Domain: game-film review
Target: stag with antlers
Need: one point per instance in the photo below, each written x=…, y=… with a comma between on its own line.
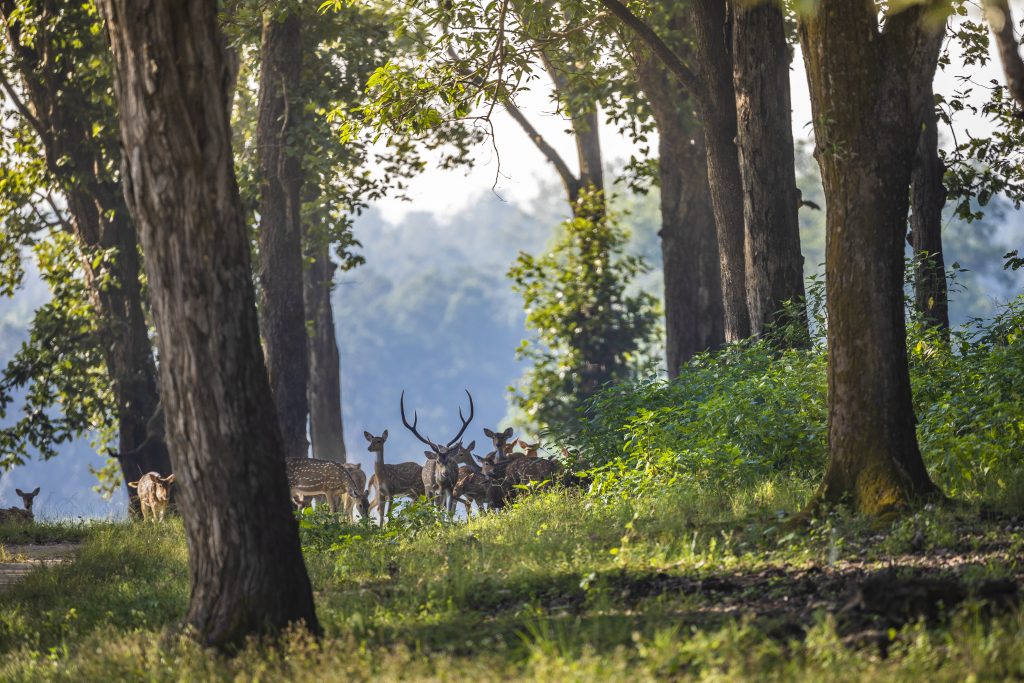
x=441, y=471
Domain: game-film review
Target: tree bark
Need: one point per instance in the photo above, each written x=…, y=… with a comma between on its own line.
x=712, y=28
x=283, y=318
x=863, y=84
x=100, y=222
x=324, y=391
x=694, y=317
x=774, y=264
x=927, y=199
x=245, y=562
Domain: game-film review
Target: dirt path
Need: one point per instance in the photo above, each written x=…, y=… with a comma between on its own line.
x=26, y=558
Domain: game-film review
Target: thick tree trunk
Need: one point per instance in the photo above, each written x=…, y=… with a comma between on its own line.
x=282, y=312
x=927, y=199
x=774, y=264
x=325, y=423
x=694, y=319
x=245, y=563
x=712, y=51
x=862, y=83
x=100, y=224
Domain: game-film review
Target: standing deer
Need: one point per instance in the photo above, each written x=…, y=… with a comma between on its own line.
x=24, y=514
x=403, y=479
x=473, y=485
x=309, y=477
x=154, y=492
x=441, y=471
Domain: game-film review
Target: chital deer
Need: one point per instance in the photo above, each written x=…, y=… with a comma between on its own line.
x=441, y=471
x=154, y=491
x=500, y=441
x=309, y=477
x=402, y=479
x=530, y=450
x=22, y=514
x=473, y=485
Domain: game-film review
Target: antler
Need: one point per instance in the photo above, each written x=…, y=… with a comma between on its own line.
x=465, y=422
x=412, y=427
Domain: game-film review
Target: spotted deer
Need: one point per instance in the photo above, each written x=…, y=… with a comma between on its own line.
x=530, y=450
x=390, y=481
x=313, y=477
x=22, y=514
x=473, y=485
x=441, y=471
x=500, y=441
x=154, y=491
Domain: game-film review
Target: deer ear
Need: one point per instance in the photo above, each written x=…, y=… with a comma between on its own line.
x=430, y=454
x=20, y=492
x=384, y=436
x=169, y=479
x=507, y=433
x=488, y=433
x=368, y=435
x=133, y=484
x=36, y=492
x=471, y=446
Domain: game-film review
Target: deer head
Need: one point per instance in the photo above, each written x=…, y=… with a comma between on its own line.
x=445, y=452
x=163, y=491
x=500, y=441
x=376, y=442
x=362, y=502
x=27, y=498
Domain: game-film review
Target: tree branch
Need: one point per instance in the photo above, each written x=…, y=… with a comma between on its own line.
x=671, y=60
x=571, y=182
x=1000, y=19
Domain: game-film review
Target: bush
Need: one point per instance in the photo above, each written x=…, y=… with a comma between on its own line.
x=751, y=410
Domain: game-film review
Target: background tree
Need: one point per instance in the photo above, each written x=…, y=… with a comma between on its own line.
x=577, y=296
x=865, y=83
x=65, y=102
x=171, y=78
x=282, y=309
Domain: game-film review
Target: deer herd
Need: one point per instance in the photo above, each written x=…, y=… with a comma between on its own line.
x=452, y=474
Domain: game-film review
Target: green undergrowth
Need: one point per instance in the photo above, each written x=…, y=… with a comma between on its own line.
x=698, y=584
x=752, y=411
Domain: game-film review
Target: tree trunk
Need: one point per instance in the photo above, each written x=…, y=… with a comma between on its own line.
x=99, y=222
x=325, y=423
x=712, y=51
x=774, y=264
x=928, y=198
x=862, y=84
x=694, y=319
x=282, y=312
x=245, y=563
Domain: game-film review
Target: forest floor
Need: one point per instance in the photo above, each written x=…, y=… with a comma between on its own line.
x=684, y=585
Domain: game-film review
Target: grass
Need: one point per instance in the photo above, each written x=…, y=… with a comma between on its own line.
x=700, y=584
x=697, y=585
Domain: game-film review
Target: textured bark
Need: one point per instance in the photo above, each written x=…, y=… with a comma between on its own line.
x=282, y=312
x=245, y=562
x=927, y=199
x=774, y=264
x=324, y=390
x=694, y=319
x=865, y=93
x=99, y=222
x=712, y=29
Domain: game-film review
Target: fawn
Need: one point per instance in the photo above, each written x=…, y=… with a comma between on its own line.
x=154, y=491
x=403, y=479
x=24, y=514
